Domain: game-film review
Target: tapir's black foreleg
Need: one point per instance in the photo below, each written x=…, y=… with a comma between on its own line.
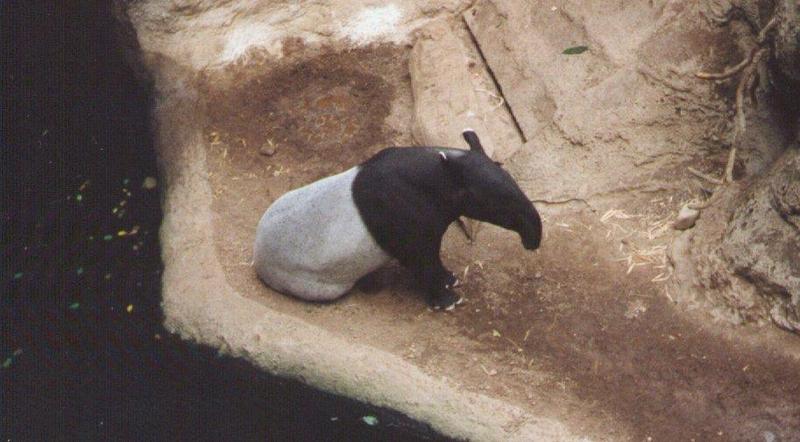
x=436, y=280
x=409, y=225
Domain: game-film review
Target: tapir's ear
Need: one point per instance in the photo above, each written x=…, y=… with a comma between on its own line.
x=443, y=156
x=472, y=139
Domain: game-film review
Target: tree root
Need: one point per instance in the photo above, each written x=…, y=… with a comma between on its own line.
x=747, y=85
x=762, y=35
x=704, y=176
x=727, y=73
x=700, y=205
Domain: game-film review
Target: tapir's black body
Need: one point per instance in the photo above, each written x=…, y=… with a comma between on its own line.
x=407, y=198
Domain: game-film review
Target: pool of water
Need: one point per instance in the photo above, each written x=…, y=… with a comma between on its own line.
x=84, y=355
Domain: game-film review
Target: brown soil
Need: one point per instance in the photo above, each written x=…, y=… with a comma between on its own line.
x=563, y=331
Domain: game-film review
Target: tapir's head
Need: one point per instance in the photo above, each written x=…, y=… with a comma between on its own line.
x=488, y=193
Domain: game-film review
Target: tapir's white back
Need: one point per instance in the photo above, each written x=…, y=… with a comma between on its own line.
x=312, y=243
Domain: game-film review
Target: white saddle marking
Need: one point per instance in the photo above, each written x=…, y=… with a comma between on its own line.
x=312, y=242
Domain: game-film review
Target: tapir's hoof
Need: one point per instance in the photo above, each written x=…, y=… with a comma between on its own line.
x=447, y=300
x=451, y=281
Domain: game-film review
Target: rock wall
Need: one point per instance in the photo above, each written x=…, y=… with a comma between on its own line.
x=762, y=241
x=743, y=260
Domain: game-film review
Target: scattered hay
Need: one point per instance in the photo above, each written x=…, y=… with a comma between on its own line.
x=642, y=240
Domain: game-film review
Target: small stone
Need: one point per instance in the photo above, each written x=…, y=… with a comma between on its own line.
x=267, y=149
x=686, y=218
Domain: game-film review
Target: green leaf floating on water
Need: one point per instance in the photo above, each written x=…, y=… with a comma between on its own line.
x=370, y=420
x=576, y=50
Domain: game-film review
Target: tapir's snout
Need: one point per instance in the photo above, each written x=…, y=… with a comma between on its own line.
x=531, y=243
x=531, y=233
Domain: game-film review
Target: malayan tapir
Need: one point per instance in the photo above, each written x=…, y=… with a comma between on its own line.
x=315, y=242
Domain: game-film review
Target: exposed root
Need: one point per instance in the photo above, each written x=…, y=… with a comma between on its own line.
x=727, y=73
x=729, y=165
x=747, y=85
x=762, y=35
x=704, y=176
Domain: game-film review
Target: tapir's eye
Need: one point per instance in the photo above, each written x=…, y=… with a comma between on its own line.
x=498, y=163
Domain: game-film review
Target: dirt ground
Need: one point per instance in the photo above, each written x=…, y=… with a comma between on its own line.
x=573, y=331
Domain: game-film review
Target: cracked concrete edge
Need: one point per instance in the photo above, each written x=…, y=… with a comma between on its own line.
x=201, y=306
x=456, y=93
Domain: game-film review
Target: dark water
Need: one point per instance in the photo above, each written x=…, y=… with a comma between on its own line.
x=83, y=352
